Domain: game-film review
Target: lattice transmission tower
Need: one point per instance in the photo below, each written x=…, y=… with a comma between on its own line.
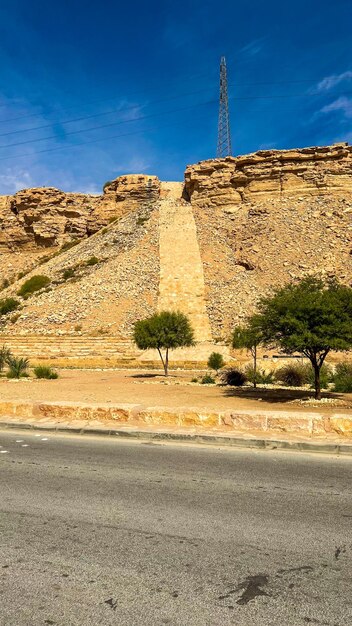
x=224, y=147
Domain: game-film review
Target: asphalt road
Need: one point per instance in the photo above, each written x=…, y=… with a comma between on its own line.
x=97, y=531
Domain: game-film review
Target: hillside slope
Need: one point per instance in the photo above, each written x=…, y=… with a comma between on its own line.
x=209, y=247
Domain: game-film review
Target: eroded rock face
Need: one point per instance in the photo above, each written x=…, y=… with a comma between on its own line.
x=125, y=194
x=270, y=173
x=268, y=218
x=46, y=216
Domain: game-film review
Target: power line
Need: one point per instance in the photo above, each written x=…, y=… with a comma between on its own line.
x=236, y=98
x=282, y=82
x=83, y=143
x=87, y=117
x=85, y=130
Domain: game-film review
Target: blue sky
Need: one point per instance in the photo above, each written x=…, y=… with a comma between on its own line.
x=144, y=78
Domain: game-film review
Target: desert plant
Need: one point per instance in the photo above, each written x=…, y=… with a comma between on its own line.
x=194, y=380
x=33, y=284
x=68, y=245
x=260, y=376
x=17, y=367
x=5, y=355
x=342, y=378
x=93, y=260
x=300, y=374
x=68, y=273
x=207, y=380
x=44, y=371
x=8, y=305
x=233, y=377
x=5, y=283
x=216, y=361
x=292, y=375
x=108, y=182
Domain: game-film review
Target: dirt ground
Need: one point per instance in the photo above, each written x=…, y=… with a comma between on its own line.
x=136, y=387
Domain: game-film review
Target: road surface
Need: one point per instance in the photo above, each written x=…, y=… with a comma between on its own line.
x=99, y=531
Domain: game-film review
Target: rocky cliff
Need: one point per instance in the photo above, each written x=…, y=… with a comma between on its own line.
x=210, y=247
x=47, y=217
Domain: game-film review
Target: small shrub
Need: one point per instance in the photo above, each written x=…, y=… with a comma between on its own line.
x=33, y=284
x=17, y=367
x=8, y=305
x=44, y=371
x=300, y=374
x=194, y=380
x=68, y=245
x=44, y=259
x=207, y=380
x=262, y=377
x=68, y=273
x=108, y=182
x=78, y=328
x=5, y=283
x=292, y=375
x=104, y=231
x=141, y=220
x=113, y=219
x=233, y=377
x=216, y=361
x=342, y=378
x=92, y=261
x=5, y=355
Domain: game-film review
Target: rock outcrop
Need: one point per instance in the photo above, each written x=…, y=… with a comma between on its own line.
x=46, y=217
x=270, y=173
x=210, y=247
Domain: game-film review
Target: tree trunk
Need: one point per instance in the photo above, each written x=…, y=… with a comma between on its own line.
x=317, y=380
x=165, y=363
x=255, y=367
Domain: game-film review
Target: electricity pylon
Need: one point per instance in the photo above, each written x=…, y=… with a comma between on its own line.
x=224, y=147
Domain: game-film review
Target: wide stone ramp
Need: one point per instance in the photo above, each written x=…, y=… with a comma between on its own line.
x=181, y=270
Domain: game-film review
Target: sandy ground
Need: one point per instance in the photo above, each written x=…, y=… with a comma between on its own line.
x=150, y=389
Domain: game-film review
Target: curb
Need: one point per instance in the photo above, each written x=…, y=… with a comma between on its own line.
x=215, y=440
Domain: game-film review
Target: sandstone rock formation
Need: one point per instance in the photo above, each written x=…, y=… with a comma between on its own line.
x=47, y=217
x=211, y=247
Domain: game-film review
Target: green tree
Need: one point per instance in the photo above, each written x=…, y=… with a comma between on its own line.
x=216, y=361
x=249, y=337
x=163, y=331
x=310, y=317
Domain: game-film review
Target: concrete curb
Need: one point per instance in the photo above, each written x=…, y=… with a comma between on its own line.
x=216, y=440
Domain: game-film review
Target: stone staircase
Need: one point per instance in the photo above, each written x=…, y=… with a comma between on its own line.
x=103, y=351
x=181, y=270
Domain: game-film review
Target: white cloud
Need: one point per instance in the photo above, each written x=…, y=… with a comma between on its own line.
x=92, y=190
x=335, y=79
x=342, y=104
x=14, y=179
